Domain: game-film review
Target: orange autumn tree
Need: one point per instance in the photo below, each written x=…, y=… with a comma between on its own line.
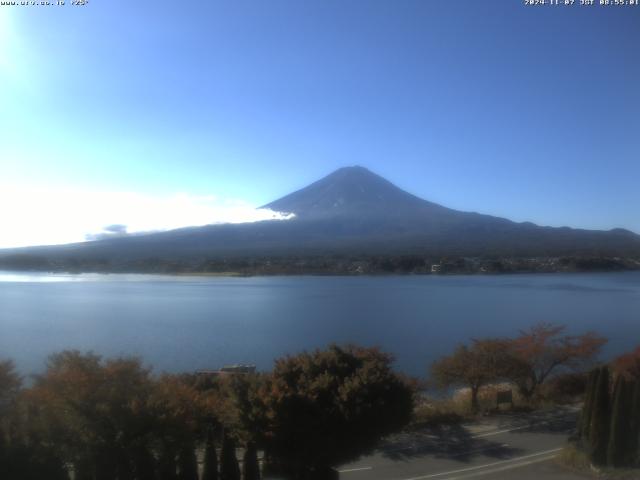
x=543, y=350
x=10, y=386
x=474, y=366
x=10, y=383
x=93, y=411
x=628, y=364
x=181, y=420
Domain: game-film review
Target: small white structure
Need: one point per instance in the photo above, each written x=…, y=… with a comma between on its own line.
x=237, y=369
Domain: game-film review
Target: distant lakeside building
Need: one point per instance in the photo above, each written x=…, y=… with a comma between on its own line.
x=228, y=370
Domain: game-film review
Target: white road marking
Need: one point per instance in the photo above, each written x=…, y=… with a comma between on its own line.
x=359, y=469
x=503, y=462
x=498, y=432
x=505, y=468
x=476, y=450
x=521, y=427
x=480, y=435
x=414, y=447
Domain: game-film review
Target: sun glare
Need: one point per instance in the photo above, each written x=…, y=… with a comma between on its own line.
x=59, y=216
x=5, y=39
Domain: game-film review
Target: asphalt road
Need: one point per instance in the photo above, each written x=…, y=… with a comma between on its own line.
x=521, y=447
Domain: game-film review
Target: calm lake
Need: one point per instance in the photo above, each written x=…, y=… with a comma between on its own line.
x=189, y=323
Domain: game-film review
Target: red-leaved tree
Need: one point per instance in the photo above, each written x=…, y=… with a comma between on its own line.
x=628, y=364
x=543, y=350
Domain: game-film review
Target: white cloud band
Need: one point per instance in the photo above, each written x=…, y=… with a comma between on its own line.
x=42, y=216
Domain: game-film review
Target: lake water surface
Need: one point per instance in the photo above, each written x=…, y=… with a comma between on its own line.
x=190, y=323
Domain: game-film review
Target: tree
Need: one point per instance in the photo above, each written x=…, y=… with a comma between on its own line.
x=611, y=437
x=229, y=468
x=111, y=419
x=167, y=464
x=180, y=419
x=474, y=366
x=144, y=463
x=600, y=420
x=210, y=471
x=94, y=412
x=24, y=462
x=619, y=429
x=242, y=410
x=628, y=365
x=587, y=408
x=10, y=383
x=634, y=433
x=250, y=466
x=542, y=350
x=187, y=463
x=330, y=406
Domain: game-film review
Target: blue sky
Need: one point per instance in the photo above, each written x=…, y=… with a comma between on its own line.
x=531, y=113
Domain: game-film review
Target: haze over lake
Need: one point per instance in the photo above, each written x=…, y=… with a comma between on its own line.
x=189, y=323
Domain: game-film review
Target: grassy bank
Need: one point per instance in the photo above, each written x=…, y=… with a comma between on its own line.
x=576, y=460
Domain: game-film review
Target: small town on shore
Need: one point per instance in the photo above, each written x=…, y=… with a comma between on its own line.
x=328, y=265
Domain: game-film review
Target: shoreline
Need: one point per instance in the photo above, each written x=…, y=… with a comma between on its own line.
x=326, y=265
x=232, y=274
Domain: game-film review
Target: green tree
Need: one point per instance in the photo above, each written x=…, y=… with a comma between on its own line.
x=10, y=384
x=250, y=466
x=144, y=463
x=167, y=466
x=587, y=408
x=187, y=463
x=620, y=416
x=210, y=471
x=83, y=469
x=330, y=406
x=634, y=424
x=31, y=462
x=474, y=366
x=600, y=420
x=229, y=468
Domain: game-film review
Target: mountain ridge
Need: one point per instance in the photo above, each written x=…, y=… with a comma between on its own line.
x=349, y=190
x=352, y=212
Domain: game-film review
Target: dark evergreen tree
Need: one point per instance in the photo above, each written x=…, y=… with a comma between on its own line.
x=600, y=420
x=50, y=466
x=210, y=471
x=124, y=466
x=167, y=465
x=2, y=446
x=634, y=424
x=330, y=406
x=21, y=462
x=270, y=465
x=82, y=469
x=250, y=466
x=618, y=436
x=187, y=463
x=229, y=468
x=585, y=418
x=105, y=464
x=144, y=464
